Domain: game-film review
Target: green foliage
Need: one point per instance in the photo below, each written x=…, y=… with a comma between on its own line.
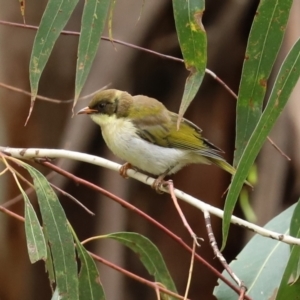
x=261, y=263
x=55, y=17
x=284, y=84
x=92, y=25
x=264, y=42
x=290, y=284
x=58, y=236
x=193, y=43
x=149, y=255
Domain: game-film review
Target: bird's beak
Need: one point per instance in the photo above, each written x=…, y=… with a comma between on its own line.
x=87, y=111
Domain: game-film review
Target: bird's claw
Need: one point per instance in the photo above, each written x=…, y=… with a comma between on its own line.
x=158, y=183
x=123, y=170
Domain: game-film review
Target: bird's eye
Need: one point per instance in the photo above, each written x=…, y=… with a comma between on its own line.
x=101, y=106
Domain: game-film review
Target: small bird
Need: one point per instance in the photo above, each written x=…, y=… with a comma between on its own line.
x=143, y=132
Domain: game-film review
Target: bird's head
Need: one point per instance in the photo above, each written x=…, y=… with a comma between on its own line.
x=108, y=104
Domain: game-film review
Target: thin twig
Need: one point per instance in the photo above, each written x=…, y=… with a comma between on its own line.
x=12, y=214
x=190, y=272
x=4, y=171
x=217, y=252
x=28, y=191
x=47, y=99
x=72, y=198
x=153, y=285
x=170, y=186
x=15, y=89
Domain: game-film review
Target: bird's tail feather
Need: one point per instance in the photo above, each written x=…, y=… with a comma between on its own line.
x=227, y=167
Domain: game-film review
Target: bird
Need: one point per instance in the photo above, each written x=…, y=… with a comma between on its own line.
x=143, y=132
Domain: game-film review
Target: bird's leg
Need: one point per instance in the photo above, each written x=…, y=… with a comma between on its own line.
x=159, y=181
x=124, y=168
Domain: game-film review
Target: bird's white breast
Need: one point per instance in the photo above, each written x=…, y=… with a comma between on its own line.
x=120, y=136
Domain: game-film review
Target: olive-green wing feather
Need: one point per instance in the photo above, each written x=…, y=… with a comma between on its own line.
x=160, y=128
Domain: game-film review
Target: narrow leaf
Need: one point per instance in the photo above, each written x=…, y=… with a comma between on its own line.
x=290, y=281
x=284, y=84
x=264, y=42
x=49, y=265
x=261, y=263
x=58, y=236
x=90, y=287
x=92, y=25
x=55, y=17
x=35, y=240
x=290, y=284
x=193, y=43
x=149, y=256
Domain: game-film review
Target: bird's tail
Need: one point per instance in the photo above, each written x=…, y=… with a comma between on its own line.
x=227, y=167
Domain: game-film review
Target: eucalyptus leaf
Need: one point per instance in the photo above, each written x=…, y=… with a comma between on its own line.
x=284, y=84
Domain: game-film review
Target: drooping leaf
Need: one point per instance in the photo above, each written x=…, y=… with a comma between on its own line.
x=92, y=25
x=35, y=240
x=264, y=42
x=58, y=236
x=90, y=287
x=55, y=17
x=149, y=256
x=193, y=43
x=284, y=84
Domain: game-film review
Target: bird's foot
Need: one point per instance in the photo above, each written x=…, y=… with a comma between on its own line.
x=124, y=168
x=158, y=183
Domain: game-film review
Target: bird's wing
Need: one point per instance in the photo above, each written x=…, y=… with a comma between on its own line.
x=189, y=138
x=165, y=134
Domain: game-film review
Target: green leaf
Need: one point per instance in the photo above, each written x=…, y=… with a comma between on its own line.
x=290, y=284
x=58, y=236
x=55, y=17
x=193, y=43
x=295, y=222
x=264, y=42
x=285, y=82
x=149, y=256
x=35, y=240
x=261, y=263
x=49, y=265
x=92, y=25
x=90, y=287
